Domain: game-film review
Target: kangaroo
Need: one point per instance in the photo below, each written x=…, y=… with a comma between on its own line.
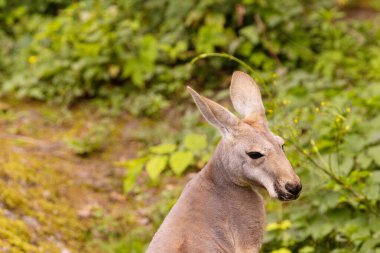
x=220, y=209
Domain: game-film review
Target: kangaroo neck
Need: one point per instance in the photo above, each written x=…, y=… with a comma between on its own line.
x=216, y=172
x=242, y=206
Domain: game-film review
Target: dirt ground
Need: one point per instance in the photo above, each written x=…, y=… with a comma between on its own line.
x=59, y=200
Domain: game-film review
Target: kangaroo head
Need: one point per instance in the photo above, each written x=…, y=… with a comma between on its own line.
x=250, y=153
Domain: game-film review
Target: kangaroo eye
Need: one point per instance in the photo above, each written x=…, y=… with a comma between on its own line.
x=255, y=155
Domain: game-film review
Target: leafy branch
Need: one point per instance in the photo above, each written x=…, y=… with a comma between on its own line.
x=330, y=173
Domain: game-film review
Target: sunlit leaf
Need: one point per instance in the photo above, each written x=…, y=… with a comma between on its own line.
x=180, y=160
x=195, y=142
x=163, y=148
x=346, y=165
x=272, y=226
x=282, y=250
x=372, y=191
x=155, y=166
x=319, y=228
x=375, y=176
x=251, y=33
x=363, y=160
x=374, y=153
x=306, y=249
x=369, y=245
x=134, y=168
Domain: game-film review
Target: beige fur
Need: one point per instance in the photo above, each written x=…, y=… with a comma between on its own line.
x=220, y=209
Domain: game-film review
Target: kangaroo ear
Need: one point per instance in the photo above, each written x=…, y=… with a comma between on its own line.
x=214, y=113
x=246, y=96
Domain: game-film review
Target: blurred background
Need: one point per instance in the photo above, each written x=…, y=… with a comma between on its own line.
x=98, y=135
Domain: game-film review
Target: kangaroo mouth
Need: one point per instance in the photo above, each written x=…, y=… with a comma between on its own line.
x=284, y=195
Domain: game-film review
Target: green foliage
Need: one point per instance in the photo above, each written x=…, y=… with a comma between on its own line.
x=155, y=166
x=37, y=6
x=332, y=133
x=163, y=149
x=94, y=48
x=177, y=157
x=91, y=141
x=98, y=48
x=180, y=160
x=195, y=142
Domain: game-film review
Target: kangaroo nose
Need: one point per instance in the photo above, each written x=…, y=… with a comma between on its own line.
x=293, y=189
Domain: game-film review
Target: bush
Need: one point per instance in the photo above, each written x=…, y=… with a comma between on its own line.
x=90, y=47
x=93, y=47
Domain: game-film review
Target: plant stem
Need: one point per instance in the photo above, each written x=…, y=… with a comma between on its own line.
x=233, y=58
x=363, y=199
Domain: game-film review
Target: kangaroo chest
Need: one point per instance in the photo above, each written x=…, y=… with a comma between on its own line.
x=234, y=219
x=212, y=220
x=247, y=223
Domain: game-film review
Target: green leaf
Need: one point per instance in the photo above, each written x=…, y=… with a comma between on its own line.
x=163, y=148
x=375, y=176
x=361, y=234
x=374, y=154
x=251, y=33
x=346, y=166
x=134, y=168
x=306, y=249
x=372, y=191
x=141, y=62
x=211, y=34
x=180, y=160
x=369, y=245
x=331, y=200
x=155, y=166
x=363, y=160
x=354, y=143
x=374, y=224
x=320, y=228
x=282, y=250
x=195, y=142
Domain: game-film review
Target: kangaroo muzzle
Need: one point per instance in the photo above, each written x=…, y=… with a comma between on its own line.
x=291, y=191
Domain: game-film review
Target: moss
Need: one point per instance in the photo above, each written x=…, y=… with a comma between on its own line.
x=14, y=236
x=30, y=188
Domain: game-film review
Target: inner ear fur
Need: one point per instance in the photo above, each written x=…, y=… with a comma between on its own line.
x=246, y=96
x=214, y=113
